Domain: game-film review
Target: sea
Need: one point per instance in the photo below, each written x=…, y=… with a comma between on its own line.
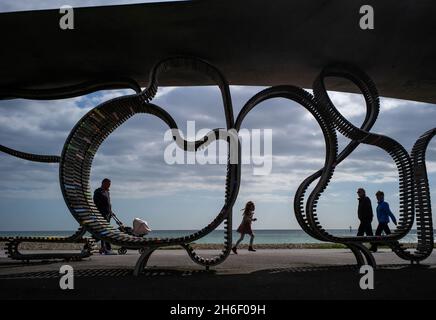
x=217, y=236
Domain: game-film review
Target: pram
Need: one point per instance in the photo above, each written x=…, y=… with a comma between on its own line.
x=140, y=229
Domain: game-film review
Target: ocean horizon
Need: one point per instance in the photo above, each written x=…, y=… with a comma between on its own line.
x=262, y=236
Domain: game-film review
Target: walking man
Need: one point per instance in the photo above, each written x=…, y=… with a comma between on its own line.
x=364, y=213
x=103, y=202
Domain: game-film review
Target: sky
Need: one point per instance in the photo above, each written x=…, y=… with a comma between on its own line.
x=188, y=196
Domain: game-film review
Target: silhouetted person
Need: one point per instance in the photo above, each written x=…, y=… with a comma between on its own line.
x=364, y=213
x=102, y=201
x=245, y=226
x=383, y=214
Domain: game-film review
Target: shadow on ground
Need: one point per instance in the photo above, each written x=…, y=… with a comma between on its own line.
x=330, y=282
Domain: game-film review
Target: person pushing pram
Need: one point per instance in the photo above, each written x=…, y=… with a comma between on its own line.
x=103, y=203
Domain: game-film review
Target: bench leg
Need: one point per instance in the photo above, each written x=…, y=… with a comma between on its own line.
x=142, y=261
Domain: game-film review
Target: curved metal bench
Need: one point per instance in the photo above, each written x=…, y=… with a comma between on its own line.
x=90, y=132
x=424, y=219
x=410, y=195
x=329, y=119
x=13, y=243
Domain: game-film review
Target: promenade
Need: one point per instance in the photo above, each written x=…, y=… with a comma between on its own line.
x=265, y=274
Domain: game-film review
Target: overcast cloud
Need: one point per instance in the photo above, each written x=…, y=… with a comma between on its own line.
x=191, y=195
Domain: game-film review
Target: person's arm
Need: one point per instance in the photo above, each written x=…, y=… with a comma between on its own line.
x=391, y=214
x=249, y=218
x=371, y=213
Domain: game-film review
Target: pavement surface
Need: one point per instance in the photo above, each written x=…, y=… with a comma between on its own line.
x=265, y=274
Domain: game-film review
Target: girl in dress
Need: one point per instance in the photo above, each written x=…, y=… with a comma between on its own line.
x=245, y=226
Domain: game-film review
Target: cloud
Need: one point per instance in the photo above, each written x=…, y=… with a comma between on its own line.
x=133, y=155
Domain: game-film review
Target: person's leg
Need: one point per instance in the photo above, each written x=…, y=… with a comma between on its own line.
x=368, y=229
x=361, y=229
x=386, y=229
x=107, y=244
x=239, y=240
x=234, y=248
x=103, y=247
x=365, y=228
x=378, y=232
x=250, y=248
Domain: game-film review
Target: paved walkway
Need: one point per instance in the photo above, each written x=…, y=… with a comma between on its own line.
x=243, y=263
x=265, y=274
